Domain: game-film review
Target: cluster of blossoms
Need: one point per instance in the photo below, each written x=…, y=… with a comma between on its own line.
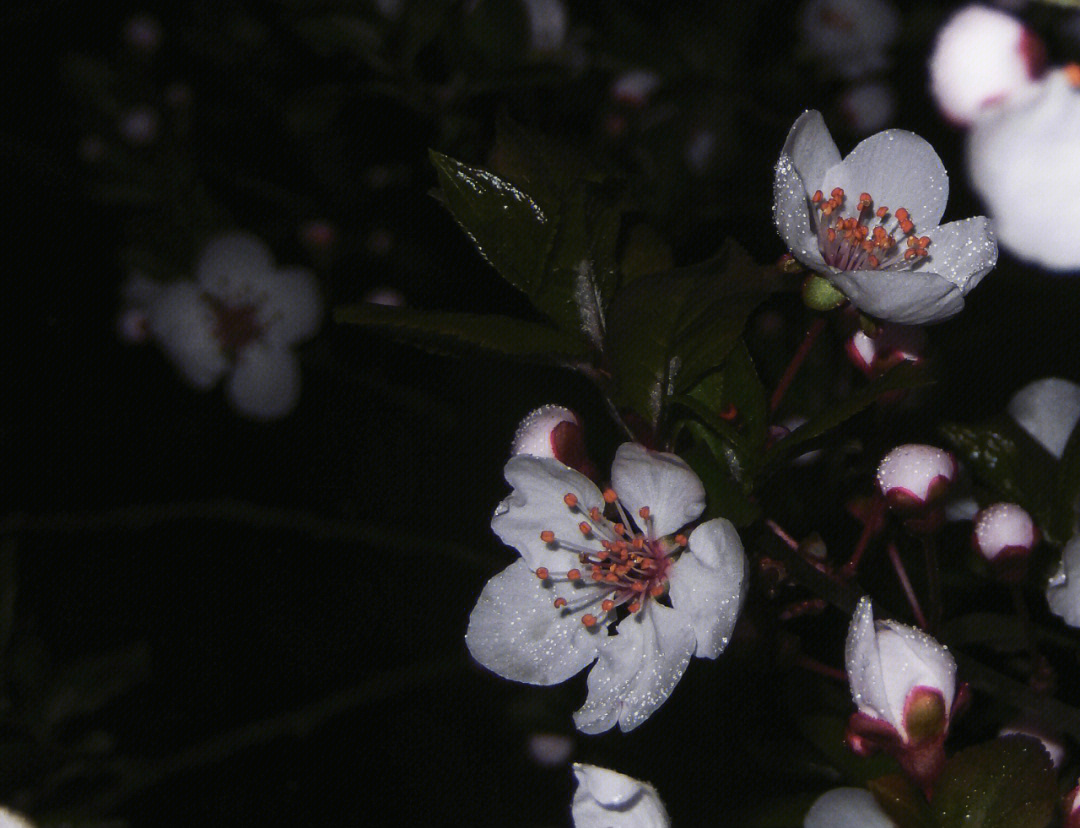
x=239, y=318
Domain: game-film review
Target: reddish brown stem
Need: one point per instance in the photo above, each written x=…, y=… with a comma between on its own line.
x=905, y=582
x=815, y=666
x=871, y=526
x=816, y=327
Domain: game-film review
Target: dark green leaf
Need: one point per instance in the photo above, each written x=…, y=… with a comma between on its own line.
x=456, y=333
x=666, y=332
x=91, y=683
x=903, y=377
x=1006, y=783
x=1068, y=488
x=1004, y=457
x=561, y=255
x=646, y=253
x=725, y=496
x=902, y=801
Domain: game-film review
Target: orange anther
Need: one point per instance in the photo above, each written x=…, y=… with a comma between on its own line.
x=644, y=512
x=638, y=542
x=610, y=496
x=589, y=620
x=570, y=499
x=837, y=193
x=585, y=528
x=865, y=197
x=597, y=574
x=637, y=586
x=595, y=515
x=817, y=196
x=924, y=241
x=907, y=226
x=573, y=575
x=608, y=605
x=902, y=214
x=910, y=254
x=634, y=606
x=1072, y=74
x=619, y=529
x=611, y=578
x=560, y=603
x=831, y=235
x=873, y=262
x=542, y=573
x=881, y=212
x=657, y=591
x=602, y=556
x=680, y=539
x=547, y=537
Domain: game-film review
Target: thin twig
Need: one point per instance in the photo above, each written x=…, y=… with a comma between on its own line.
x=905, y=582
x=797, y=360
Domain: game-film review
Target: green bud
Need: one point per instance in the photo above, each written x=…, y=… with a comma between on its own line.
x=820, y=295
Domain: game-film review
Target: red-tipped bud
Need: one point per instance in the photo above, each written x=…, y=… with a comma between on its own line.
x=1004, y=534
x=913, y=477
x=554, y=431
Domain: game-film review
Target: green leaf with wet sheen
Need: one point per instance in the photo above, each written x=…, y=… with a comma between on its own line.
x=902, y=801
x=1006, y=783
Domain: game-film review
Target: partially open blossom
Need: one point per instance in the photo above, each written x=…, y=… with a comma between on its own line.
x=239, y=318
x=1004, y=534
x=591, y=559
x=849, y=38
x=847, y=808
x=891, y=345
x=913, y=476
x=1063, y=588
x=868, y=107
x=606, y=799
x=1022, y=150
x=904, y=685
x=869, y=223
x=554, y=431
x=1048, y=409
x=1052, y=742
x=982, y=58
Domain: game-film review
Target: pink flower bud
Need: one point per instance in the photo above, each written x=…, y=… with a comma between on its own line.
x=874, y=355
x=1004, y=535
x=1072, y=808
x=914, y=476
x=982, y=58
x=554, y=431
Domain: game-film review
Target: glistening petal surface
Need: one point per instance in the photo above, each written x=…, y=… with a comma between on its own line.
x=863, y=663
x=606, y=799
x=708, y=584
x=516, y=632
x=1063, y=589
x=910, y=297
x=962, y=251
x=536, y=505
x=661, y=481
x=637, y=669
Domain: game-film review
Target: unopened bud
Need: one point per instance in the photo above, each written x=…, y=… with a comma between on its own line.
x=819, y=294
x=1004, y=535
x=1072, y=808
x=982, y=58
x=914, y=476
x=925, y=715
x=554, y=431
x=891, y=345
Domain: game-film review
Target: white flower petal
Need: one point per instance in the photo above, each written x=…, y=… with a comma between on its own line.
x=660, y=481
x=962, y=251
x=910, y=658
x=230, y=267
x=637, y=669
x=266, y=382
x=606, y=799
x=910, y=297
x=708, y=584
x=847, y=808
x=516, y=631
x=1047, y=409
x=292, y=307
x=863, y=663
x=898, y=169
x=1063, y=589
x=811, y=149
x=183, y=324
x=536, y=505
x=808, y=153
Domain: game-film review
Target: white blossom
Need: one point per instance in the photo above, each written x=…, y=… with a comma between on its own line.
x=869, y=223
x=547, y=24
x=606, y=799
x=591, y=560
x=849, y=38
x=1063, y=588
x=894, y=669
x=1047, y=409
x=1019, y=152
x=847, y=808
x=239, y=319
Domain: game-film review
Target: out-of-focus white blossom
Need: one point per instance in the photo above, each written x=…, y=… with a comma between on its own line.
x=1047, y=409
x=915, y=475
x=868, y=107
x=550, y=750
x=982, y=58
x=1022, y=151
x=700, y=150
x=869, y=223
x=10, y=819
x=143, y=33
x=547, y=24
x=634, y=88
x=548, y=615
x=847, y=808
x=239, y=318
x=139, y=126
x=1063, y=588
x=850, y=38
x=606, y=799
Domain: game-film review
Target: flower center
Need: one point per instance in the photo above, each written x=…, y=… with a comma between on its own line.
x=866, y=240
x=620, y=564
x=234, y=325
